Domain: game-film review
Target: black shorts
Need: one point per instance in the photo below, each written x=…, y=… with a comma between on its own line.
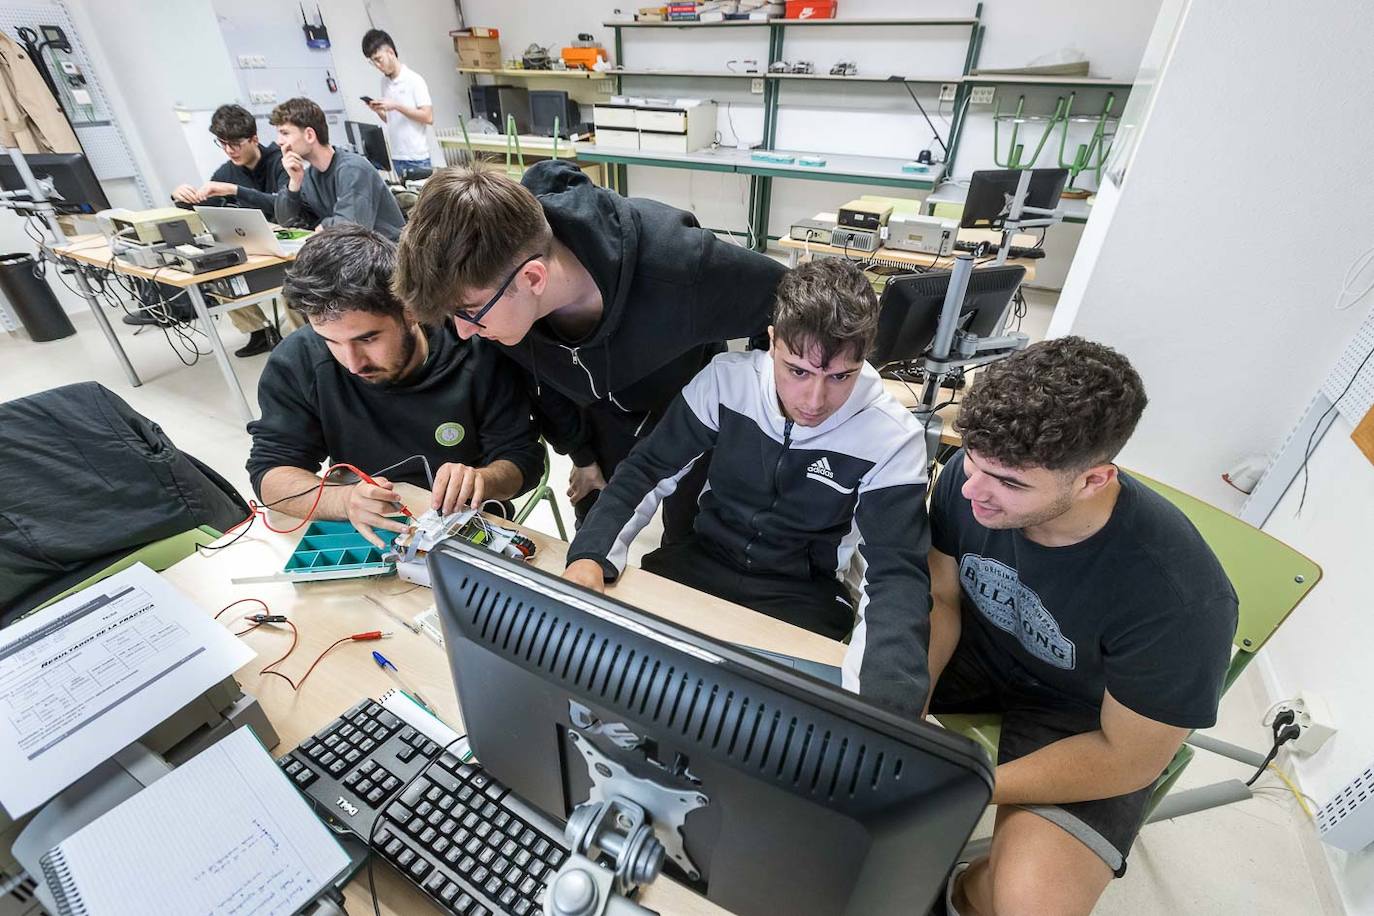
x=1034, y=716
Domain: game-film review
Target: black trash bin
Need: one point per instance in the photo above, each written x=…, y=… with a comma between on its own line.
x=32, y=299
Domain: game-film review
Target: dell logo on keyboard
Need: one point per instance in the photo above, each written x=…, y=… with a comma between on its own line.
x=349, y=808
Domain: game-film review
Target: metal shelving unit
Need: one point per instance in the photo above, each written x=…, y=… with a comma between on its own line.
x=761, y=174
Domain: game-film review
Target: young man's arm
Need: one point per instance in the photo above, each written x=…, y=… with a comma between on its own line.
x=357, y=187
x=512, y=456
x=946, y=624
x=651, y=472
x=1128, y=752
x=288, y=447
x=736, y=292
x=886, y=660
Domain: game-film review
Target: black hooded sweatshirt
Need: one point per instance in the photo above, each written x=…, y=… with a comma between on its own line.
x=672, y=294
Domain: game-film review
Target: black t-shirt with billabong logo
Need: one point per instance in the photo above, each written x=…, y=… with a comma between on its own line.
x=1141, y=609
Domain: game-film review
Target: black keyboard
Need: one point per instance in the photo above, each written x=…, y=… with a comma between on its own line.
x=1015, y=251
x=455, y=832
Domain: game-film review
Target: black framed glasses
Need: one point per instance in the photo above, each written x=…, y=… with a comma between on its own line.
x=230, y=146
x=475, y=318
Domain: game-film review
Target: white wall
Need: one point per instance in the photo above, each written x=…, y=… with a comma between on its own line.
x=1324, y=647
x=1217, y=265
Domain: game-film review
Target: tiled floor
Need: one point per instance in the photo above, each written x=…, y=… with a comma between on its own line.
x=1249, y=858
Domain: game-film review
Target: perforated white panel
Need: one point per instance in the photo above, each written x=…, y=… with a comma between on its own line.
x=106, y=152
x=1358, y=399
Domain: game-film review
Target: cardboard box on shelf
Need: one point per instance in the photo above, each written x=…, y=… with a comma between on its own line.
x=477, y=51
x=811, y=9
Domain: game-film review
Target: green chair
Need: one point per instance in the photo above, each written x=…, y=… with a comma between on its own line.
x=157, y=556
x=542, y=491
x=1270, y=579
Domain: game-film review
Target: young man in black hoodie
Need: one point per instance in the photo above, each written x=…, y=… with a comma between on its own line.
x=250, y=177
x=611, y=304
x=366, y=385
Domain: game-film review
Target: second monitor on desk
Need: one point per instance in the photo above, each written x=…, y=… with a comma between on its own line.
x=770, y=792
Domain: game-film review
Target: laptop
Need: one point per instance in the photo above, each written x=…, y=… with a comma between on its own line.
x=246, y=226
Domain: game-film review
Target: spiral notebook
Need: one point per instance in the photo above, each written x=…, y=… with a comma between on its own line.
x=224, y=833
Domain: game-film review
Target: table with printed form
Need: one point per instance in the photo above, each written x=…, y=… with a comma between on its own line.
x=341, y=687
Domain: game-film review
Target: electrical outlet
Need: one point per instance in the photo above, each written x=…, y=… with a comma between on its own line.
x=756, y=86
x=245, y=61
x=1312, y=716
x=271, y=96
x=259, y=61
x=947, y=91
x=983, y=95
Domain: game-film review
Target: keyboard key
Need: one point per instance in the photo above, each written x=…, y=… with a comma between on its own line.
x=465, y=793
x=407, y=733
x=398, y=812
x=482, y=829
x=375, y=797
x=541, y=846
x=479, y=780
x=424, y=808
x=449, y=891
x=495, y=790
x=509, y=848
x=528, y=886
x=522, y=858
x=373, y=708
x=502, y=820
x=479, y=911
x=394, y=847
x=522, y=908
x=435, y=883
x=466, y=770
x=367, y=744
x=414, y=795
x=446, y=803
x=406, y=753
x=428, y=835
x=392, y=783
x=405, y=857
x=507, y=896
x=453, y=854
x=332, y=741
x=358, y=783
x=449, y=762
x=466, y=865
x=464, y=905
x=536, y=869
x=471, y=820
x=480, y=875
x=388, y=721
x=489, y=810
x=493, y=887
x=435, y=818
x=419, y=868
x=292, y=766
x=337, y=767
x=368, y=766
x=474, y=845
x=416, y=826
x=440, y=844
x=353, y=755
x=555, y=856
x=450, y=828
x=304, y=777
x=429, y=748
x=500, y=866
x=382, y=836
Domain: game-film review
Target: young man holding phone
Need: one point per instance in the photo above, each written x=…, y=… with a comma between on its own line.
x=405, y=106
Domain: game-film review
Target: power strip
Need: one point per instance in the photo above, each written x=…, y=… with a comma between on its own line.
x=1347, y=820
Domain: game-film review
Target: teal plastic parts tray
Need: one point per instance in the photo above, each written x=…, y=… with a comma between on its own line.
x=335, y=550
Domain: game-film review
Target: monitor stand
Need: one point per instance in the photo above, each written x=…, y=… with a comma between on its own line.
x=618, y=821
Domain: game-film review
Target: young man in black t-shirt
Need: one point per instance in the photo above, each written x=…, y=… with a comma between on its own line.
x=367, y=385
x=1079, y=604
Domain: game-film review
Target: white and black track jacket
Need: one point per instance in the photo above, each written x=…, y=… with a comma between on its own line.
x=791, y=500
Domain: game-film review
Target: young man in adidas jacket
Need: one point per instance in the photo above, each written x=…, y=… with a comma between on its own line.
x=812, y=465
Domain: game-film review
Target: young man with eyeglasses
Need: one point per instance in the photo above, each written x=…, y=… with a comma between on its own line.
x=405, y=106
x=251, y=177
x=365, y=384
x=611, y=304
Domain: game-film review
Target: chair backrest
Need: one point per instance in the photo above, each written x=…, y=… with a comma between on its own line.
x=1270, y=578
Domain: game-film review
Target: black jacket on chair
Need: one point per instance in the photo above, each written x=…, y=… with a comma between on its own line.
x=88, y=480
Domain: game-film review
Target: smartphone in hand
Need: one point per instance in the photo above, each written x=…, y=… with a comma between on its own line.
x=367, y=99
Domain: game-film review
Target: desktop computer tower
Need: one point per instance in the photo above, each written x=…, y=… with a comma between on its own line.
x=546, y=105
x=494, y=103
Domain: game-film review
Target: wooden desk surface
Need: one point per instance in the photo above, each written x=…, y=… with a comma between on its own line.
x=95, y=251
x=908, y=394
x=325, y=611
x=915, y=259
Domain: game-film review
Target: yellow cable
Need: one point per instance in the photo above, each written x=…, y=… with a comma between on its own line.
x=1302, y=803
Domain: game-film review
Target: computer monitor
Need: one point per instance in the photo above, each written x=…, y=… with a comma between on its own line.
x=546, y=105
x=78, y=191
x=990, y=193
x=497, y=102
x=370, y=141
x=909, y=309
x=793, y=795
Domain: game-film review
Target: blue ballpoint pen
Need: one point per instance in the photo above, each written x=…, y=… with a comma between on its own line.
x=386, y=665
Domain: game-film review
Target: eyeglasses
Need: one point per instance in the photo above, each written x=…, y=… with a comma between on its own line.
x=230, y=146
x=475, y=319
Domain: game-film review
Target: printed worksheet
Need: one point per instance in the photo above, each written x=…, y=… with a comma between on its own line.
x=87, y=676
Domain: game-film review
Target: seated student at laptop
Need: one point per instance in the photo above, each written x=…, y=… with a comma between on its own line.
x=251, y=177
x=1079, y=604
x=367, y=386
x=337, y=185
x=810, y=462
